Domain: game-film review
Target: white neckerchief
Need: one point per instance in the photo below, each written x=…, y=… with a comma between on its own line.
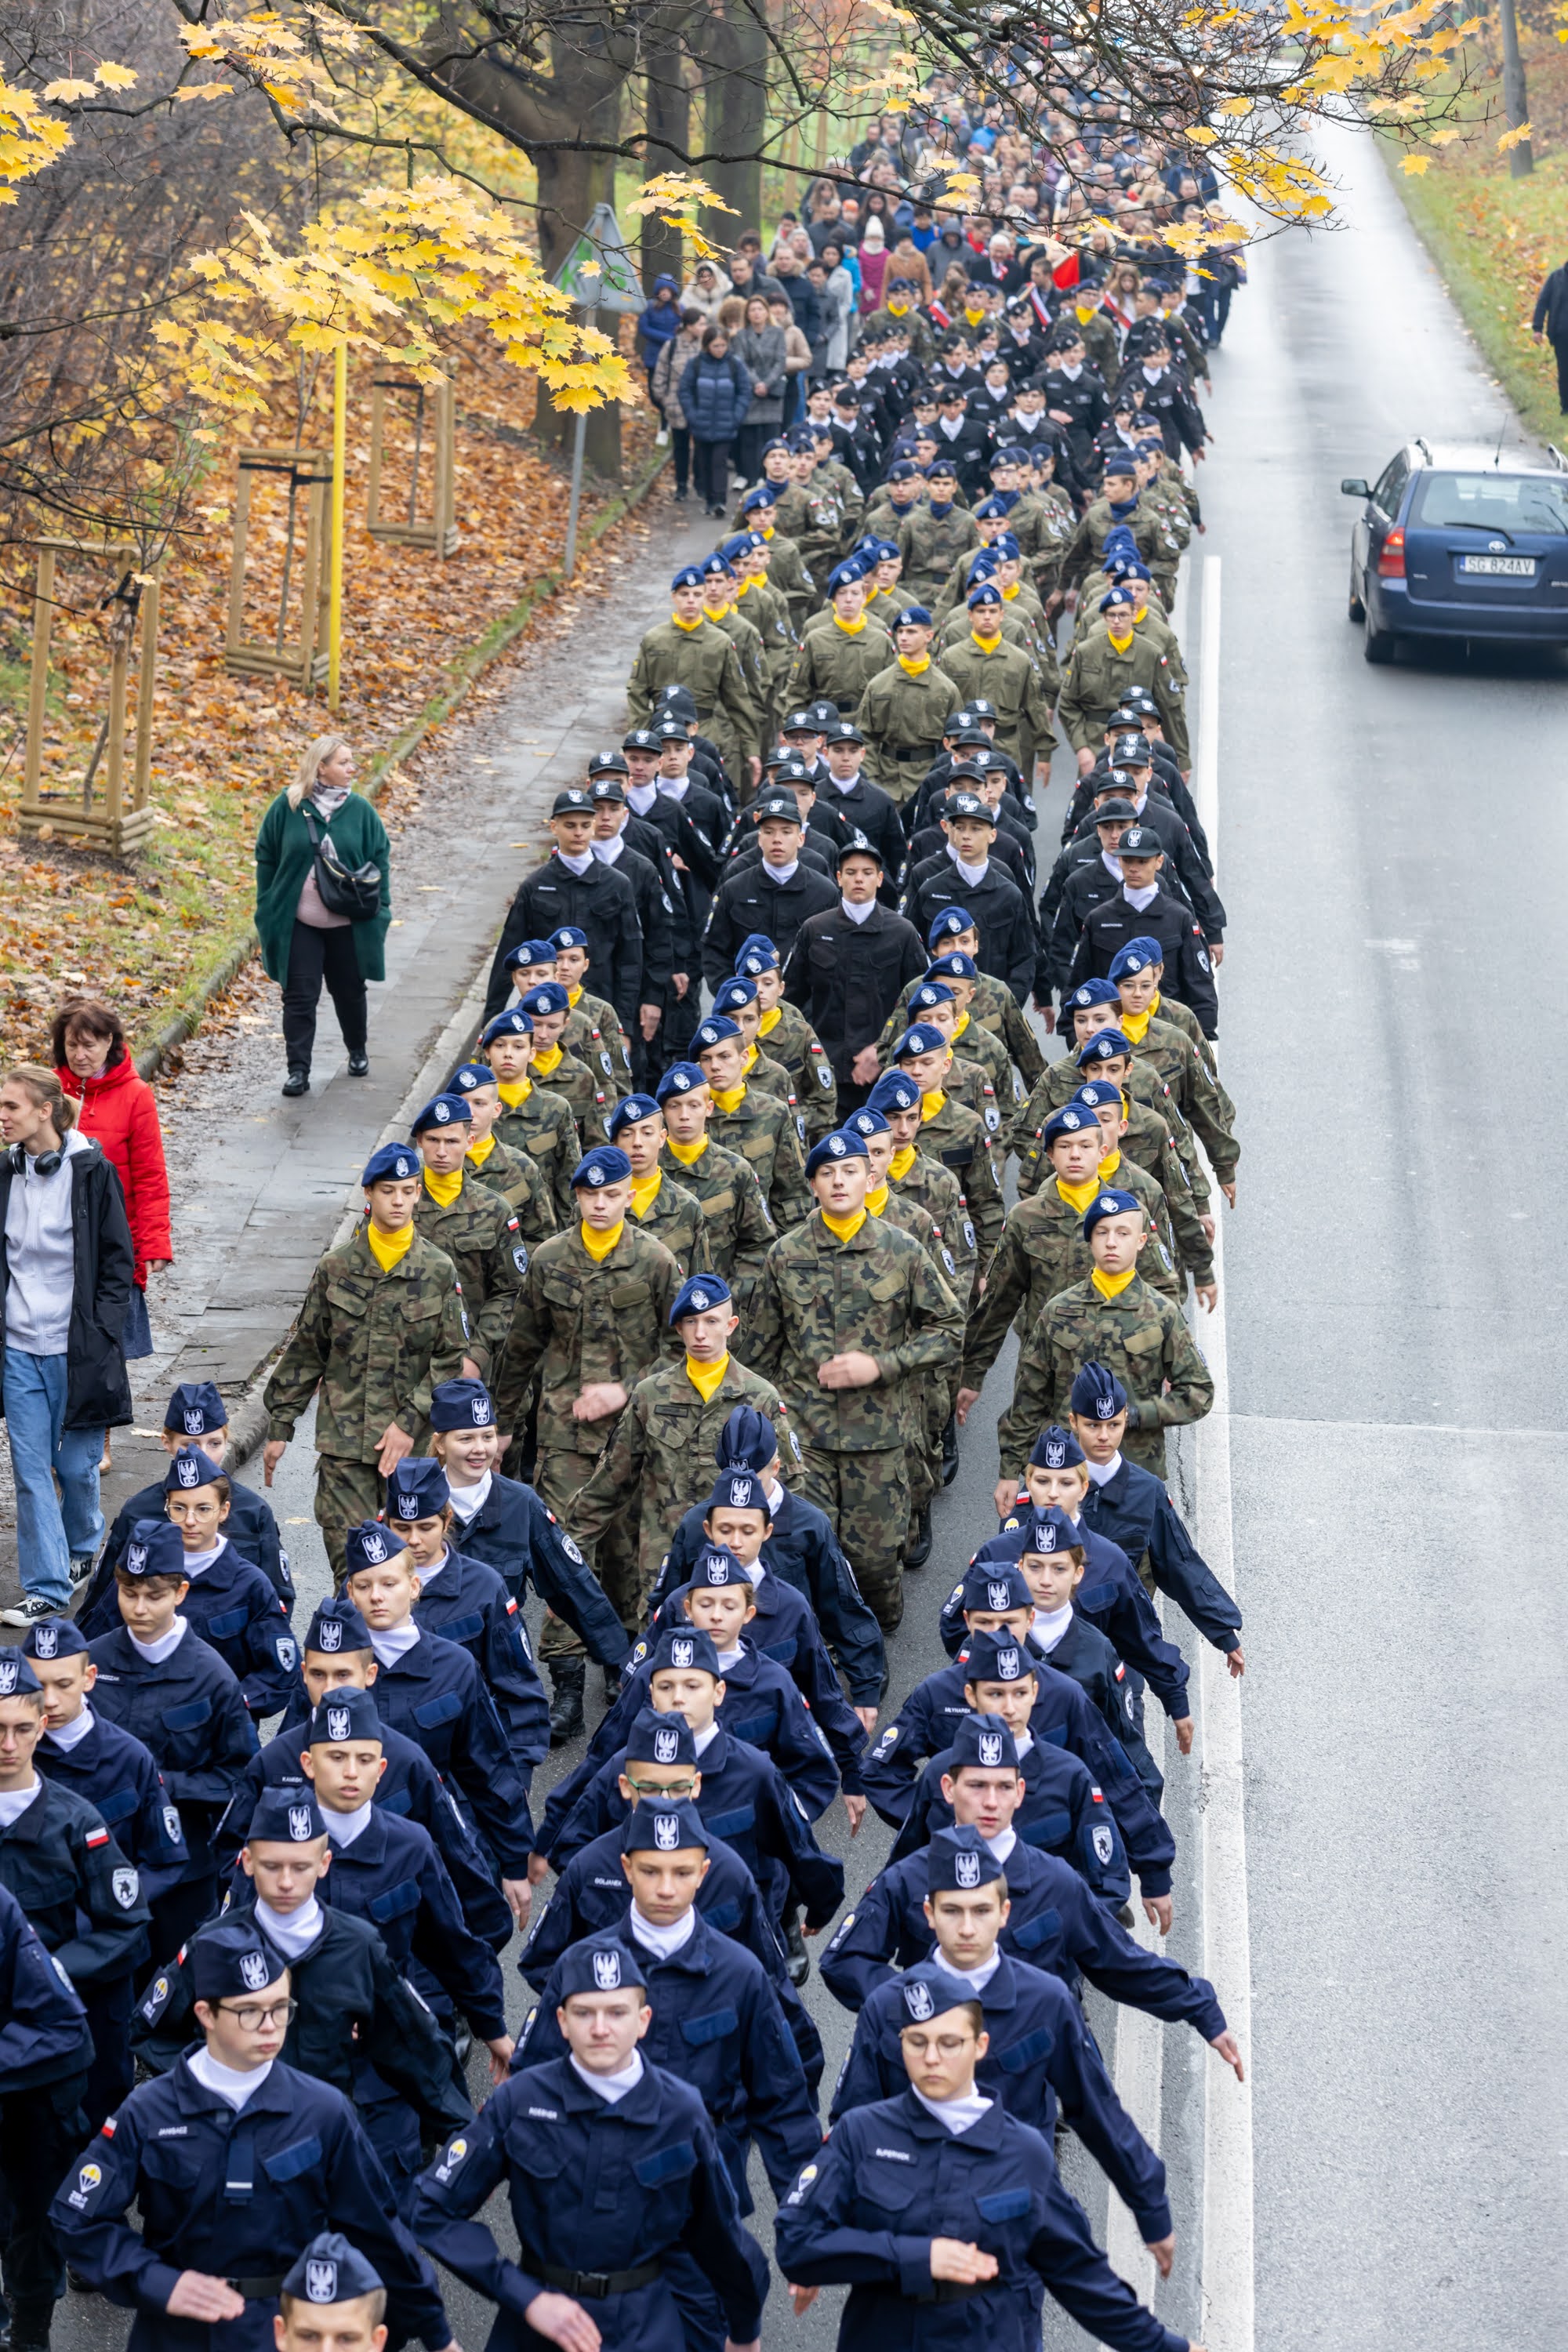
x=1141, y=800
x=611, y=2087
x=952, y=431
x=728, y=1658
x=665, y=1941
x=775, y=1494
x=674, y=788
x=71, y=1734
x=641, y=797
x=782, y=873
x=1023, y=1741
x=578, y=866
x=1100, y=1474
x=343, y=1828
x=1028, y=419
x=394, y=1643
x=1151, y=376
x=469, y=1501
x=14, y=1802
x=607, y=852
x=1071, y=373
x=1111, y=863
x=844, y=783
x=1002, y=1844
x=1140, y=898
x=957, y=2114
x=857, y=914
x=703, y=1740
x=972, y=875
x=1050, y=1626
x=293, y=1932
x=228, y=2083
x=756, y=1571
x=154, y=1653
x=980, y=1975
x=427, y=1575
x=196, y=1563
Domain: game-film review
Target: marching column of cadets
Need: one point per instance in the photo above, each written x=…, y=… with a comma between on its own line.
x=726, y=1288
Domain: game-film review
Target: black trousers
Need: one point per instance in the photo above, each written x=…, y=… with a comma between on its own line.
x=711, y=471
x=315, y=956
x=680, y=450
x=1559, y=353
x=42, y=2133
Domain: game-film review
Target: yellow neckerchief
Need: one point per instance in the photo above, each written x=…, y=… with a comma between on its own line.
x=1120, y=644
x=1078, y=1196
x=688, y=1154
x=443, y=1189
x=750, y=1064
x=1015, y=590
x=750, y=580
x=514, y=1092
x=876, y=1199
x=902, y=1160
x=767, y=530
x=707, y=1379
x=572, y=995
x=973, y=317
x=387, y=1249
x=843, y=1229
x=480, y=1150
x=645, y=1192
x=729, y=1098
x=547, y=1060
x=1135, y=1026
x=960, y=1025
x=770, y=1020
x=987, y=645
x=1111, y=1285
x=687, y=628
x=931, y=1105
x=850, y=628
x=1154, y=1007
x=599, y=1246
x=1110, y=1164
x=897, y=309
x=915, y=667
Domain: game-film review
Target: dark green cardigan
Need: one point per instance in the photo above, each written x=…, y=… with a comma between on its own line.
x=283, y=855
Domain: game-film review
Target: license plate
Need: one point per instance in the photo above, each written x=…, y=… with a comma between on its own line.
x=1499, y=567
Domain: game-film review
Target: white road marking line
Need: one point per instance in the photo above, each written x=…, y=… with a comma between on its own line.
x=1139, y=2074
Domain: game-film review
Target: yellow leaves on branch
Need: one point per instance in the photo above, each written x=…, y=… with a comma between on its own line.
x=1514, y=138
x=30, y=140
x=271, y=55
x=1416, y=164
x=677, y=197
x=383, y=279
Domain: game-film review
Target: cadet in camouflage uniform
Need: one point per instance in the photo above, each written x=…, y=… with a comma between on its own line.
x=838, y=660
x=852, y=1321
x=1171, y=1056
x=514, y=1175
x=718, y=585
x=1100, y=671
x=473, y=1225
x=757, y=1126
x=913, y=1176
x=936, y=535
x=592, y=1031
x=904, y=710
x=549, y=1008
x=688, y=650
x=663, y=1446
x=970, y=1039
x=381, y=1326
x=1085, y=548
x=533, y=1119
x=1121, y=1119
x=968, y=1078
x=1115, y=1319
x=767, y=608
x=952, y=1132
x=983, y=662
x=763, y=509
x=740, y=1231
x=737, y=999
x=660, y=1205
x=783, y=1031
x=993, y=1007
x=820, y=533
x=1140, y=967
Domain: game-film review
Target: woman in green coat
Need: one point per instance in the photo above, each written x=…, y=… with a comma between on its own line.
x=302, y=944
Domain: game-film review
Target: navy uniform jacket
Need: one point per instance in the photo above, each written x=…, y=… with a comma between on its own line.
x=250, y=1527
x=1054, y=1923
x=784, y=1631
x=514, y=1533
x=236, y=2196
x=467, y=1603
x=434, y=1695
x=1042, y=2055
x=745, y=1801
x=892, y=2177
x=802, y=1551
x=191, y=1712
x=1134, y=1510
x=392, y=1875
x=410, y=1788
x=43, y=2037
x=1063, y=1812
x=234, y=1610
x=354, y=2009
x=76, y=1885
x=115, y=1773
x=717, y=2024
x=1062, y=1716
x=593, y=2188
x=1110, y=1597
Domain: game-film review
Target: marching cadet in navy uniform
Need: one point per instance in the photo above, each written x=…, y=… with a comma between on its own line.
x=230, y=1603
x=1042, y=2055
x=356, y=2024
x=466, y=1602
x=236, y=2160
x=46, y=2049
x=941, y=2196
x=616, y=2183
x=161, y=1682
x=431, y=1689
x=717, y=2023
x=195, y=1416
x=115, y=1774
x=338, y=1656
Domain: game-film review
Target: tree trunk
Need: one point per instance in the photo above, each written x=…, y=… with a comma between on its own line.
x=737, y=49
x=570, y=185
x=668, y=118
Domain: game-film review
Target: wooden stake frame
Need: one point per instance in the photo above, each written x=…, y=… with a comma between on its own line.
x=302, y=662
x=440, y=532
x=114, y=827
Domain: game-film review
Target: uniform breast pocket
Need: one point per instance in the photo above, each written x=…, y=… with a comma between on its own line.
x=534, y=2151
x=1032, y=2051
x=463, y=1629
x=345, y=1300
x=753, y=1728
x=188, y=1717
x=225, y=1628
x=299, y=2156
x=1005, y=2204
x=700, y=2032
x=627, y=1295
x=1048, y=1828
x=117, y=1806
x=1144, y=1342
x=1044, y=1928
x=666, y=2164
x=396, y=1901
x=420, y=1308
x=177, y=2165
x=1096, y=1596
x=437, y=1711
x=732, y=1824
x=890, y=2186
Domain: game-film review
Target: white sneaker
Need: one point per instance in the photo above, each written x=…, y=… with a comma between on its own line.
x=661, y=439
x=31, y=1611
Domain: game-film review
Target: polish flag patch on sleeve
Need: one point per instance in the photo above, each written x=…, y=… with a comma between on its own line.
x=97, y=1837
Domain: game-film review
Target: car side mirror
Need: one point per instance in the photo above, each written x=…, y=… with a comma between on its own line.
x=1353, y=487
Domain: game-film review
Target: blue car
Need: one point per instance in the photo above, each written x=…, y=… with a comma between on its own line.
x=1454, y=541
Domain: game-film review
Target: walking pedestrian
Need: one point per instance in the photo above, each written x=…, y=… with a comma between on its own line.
x=674, y=359
x=318, y=844
x=117, y=1110
x=715, y=393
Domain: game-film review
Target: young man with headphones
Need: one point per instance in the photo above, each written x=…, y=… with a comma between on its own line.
x=66, y=1266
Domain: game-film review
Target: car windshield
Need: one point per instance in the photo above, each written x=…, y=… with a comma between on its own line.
x=1507, y=502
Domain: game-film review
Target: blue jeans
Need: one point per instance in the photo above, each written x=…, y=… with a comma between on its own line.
x=50, y=1529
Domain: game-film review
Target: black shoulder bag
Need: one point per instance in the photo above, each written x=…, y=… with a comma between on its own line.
x=354, y=891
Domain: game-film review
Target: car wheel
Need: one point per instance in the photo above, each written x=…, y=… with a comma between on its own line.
x=1378, y=644
x=1355, y=609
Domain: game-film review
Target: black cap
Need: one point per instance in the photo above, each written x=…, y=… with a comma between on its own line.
x=845, y=730
x=1131, y=751
x=641, y=738
x=1118, y=811
x=780, y=805
x=609, y=788
x=610, y=764
x=1140, y=841
x=970, y=804
x=573, y=802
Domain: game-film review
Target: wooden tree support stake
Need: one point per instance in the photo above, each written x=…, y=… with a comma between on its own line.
x=112, y=826
x=433, y=420
x=302, y=659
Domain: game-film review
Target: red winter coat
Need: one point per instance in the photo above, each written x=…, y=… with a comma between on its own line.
x=118, y=1111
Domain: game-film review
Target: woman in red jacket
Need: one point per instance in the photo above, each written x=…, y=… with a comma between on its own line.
x=118, y=1109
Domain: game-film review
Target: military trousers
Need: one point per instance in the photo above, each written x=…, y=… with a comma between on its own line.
x=346, y=1492
x=867, y=1498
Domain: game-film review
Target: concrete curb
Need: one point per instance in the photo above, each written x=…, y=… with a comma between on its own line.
x=463, y=673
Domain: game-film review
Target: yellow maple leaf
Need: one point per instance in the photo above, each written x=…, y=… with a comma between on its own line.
x=60, y=93
x=1514, y=138
x=114, y=76
x=1416, y=165
x=205, y=90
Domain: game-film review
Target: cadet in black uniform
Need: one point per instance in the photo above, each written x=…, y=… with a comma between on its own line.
x=45, y=2049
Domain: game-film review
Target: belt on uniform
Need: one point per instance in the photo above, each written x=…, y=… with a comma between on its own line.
x=909, y=751
x=952, y=2291
x=257, y=2290
x=597, y=2284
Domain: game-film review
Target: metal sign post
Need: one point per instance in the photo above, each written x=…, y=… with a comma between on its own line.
x=599, y=274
